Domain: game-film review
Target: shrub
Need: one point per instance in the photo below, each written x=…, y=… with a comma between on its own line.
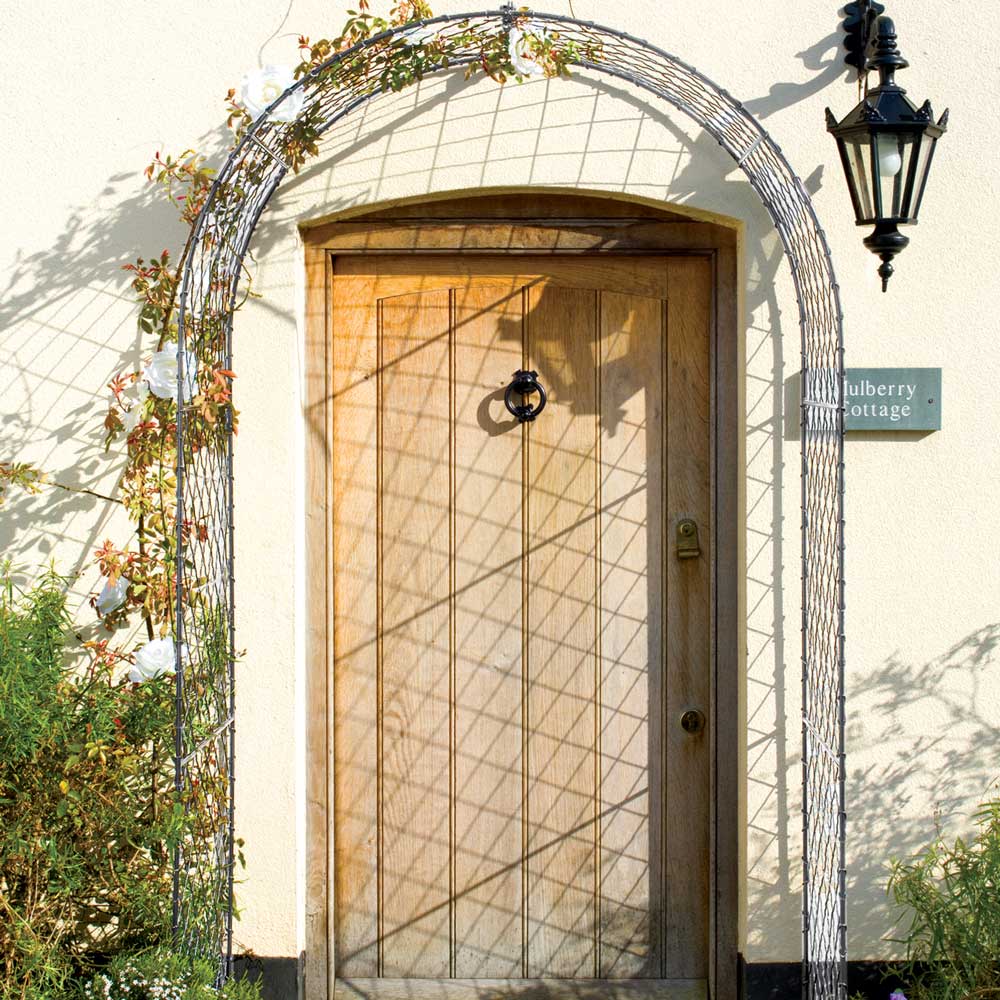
x=953, y=894
x=161, y=975
x=86, y=808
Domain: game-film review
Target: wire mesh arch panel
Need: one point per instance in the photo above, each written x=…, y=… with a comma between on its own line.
x=205, y=617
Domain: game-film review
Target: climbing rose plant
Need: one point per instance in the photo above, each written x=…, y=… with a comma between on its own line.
x=139, y=577
x=143, y=408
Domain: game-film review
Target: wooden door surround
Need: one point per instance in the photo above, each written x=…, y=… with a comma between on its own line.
x=536, y=225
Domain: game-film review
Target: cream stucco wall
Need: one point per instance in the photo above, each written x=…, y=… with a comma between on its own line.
x=922, y=520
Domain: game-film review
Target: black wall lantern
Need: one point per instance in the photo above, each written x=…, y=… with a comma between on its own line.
x=886, y=143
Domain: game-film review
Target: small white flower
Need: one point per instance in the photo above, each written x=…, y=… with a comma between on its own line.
x=154, y=660
x=519, y=48
x=161, y=374
x=131, y=417
x=260, y=87
x=137, y=394
x=112, y=596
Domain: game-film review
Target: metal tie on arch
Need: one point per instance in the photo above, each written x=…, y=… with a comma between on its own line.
x=205, y=723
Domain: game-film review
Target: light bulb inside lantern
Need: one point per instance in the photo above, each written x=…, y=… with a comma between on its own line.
x=890, y=162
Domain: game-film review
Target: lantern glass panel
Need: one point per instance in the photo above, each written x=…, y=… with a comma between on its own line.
x=859, y=160
x=923, y=162
x=895, y=150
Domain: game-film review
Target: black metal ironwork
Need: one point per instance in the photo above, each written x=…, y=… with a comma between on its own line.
x=859, y=22
x=524, y=384
x=204, y=591
x=886, y=146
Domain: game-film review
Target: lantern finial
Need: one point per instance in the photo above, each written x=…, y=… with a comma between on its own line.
x=886, y=57
x=885, y=242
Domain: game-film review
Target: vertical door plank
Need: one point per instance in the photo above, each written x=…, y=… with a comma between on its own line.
x=415, y=561
x=689, y=652
x=729, y=605
x=319, y=557
x=632, y=446
x=354, y=362
x=562, y=623
x=488, y=541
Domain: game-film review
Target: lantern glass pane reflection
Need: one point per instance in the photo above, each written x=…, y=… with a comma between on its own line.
x=859, y=159
x=923, y=162
x=895, y=152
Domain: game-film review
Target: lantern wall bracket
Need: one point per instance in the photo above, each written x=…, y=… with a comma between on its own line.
x=859, y=31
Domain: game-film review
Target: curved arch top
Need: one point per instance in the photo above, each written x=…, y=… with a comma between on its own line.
x=211, y=274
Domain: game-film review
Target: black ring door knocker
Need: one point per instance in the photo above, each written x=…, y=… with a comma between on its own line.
x=525, y=384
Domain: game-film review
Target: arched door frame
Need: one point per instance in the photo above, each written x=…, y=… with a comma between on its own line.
x=212, y=268
x=518, y=222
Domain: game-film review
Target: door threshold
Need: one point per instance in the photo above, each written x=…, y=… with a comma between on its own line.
x=521, y=989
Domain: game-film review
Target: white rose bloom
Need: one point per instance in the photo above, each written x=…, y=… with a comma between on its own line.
x=112, y=597
x=161, y=374
x=154, y=660
x=522, y=55
x=262, y=86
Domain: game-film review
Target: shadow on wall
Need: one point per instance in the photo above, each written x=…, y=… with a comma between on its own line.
x=704, y=175
x=904, y=771
x=47, y=293
x=915, y=761
x=67, y=325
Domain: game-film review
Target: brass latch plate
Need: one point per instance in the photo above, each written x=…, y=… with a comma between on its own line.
x=688, y=546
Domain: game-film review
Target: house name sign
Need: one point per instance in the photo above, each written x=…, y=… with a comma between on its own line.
x=893, y=399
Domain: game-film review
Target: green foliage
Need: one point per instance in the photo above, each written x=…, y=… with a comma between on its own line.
x=22, y=475
x=397, y=62
x=31, y=641
x=86, y=817
x=953, y=894
x=161, y=975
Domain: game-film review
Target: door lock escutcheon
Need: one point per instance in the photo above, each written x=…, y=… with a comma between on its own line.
x=693, y=721
x=688, y=546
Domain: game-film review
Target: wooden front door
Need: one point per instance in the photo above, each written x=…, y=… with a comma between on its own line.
x=515, y=638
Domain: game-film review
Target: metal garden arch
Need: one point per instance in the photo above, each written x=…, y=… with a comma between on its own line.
x=205, y=722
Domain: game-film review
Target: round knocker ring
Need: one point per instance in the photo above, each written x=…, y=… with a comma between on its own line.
x=524, y=384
